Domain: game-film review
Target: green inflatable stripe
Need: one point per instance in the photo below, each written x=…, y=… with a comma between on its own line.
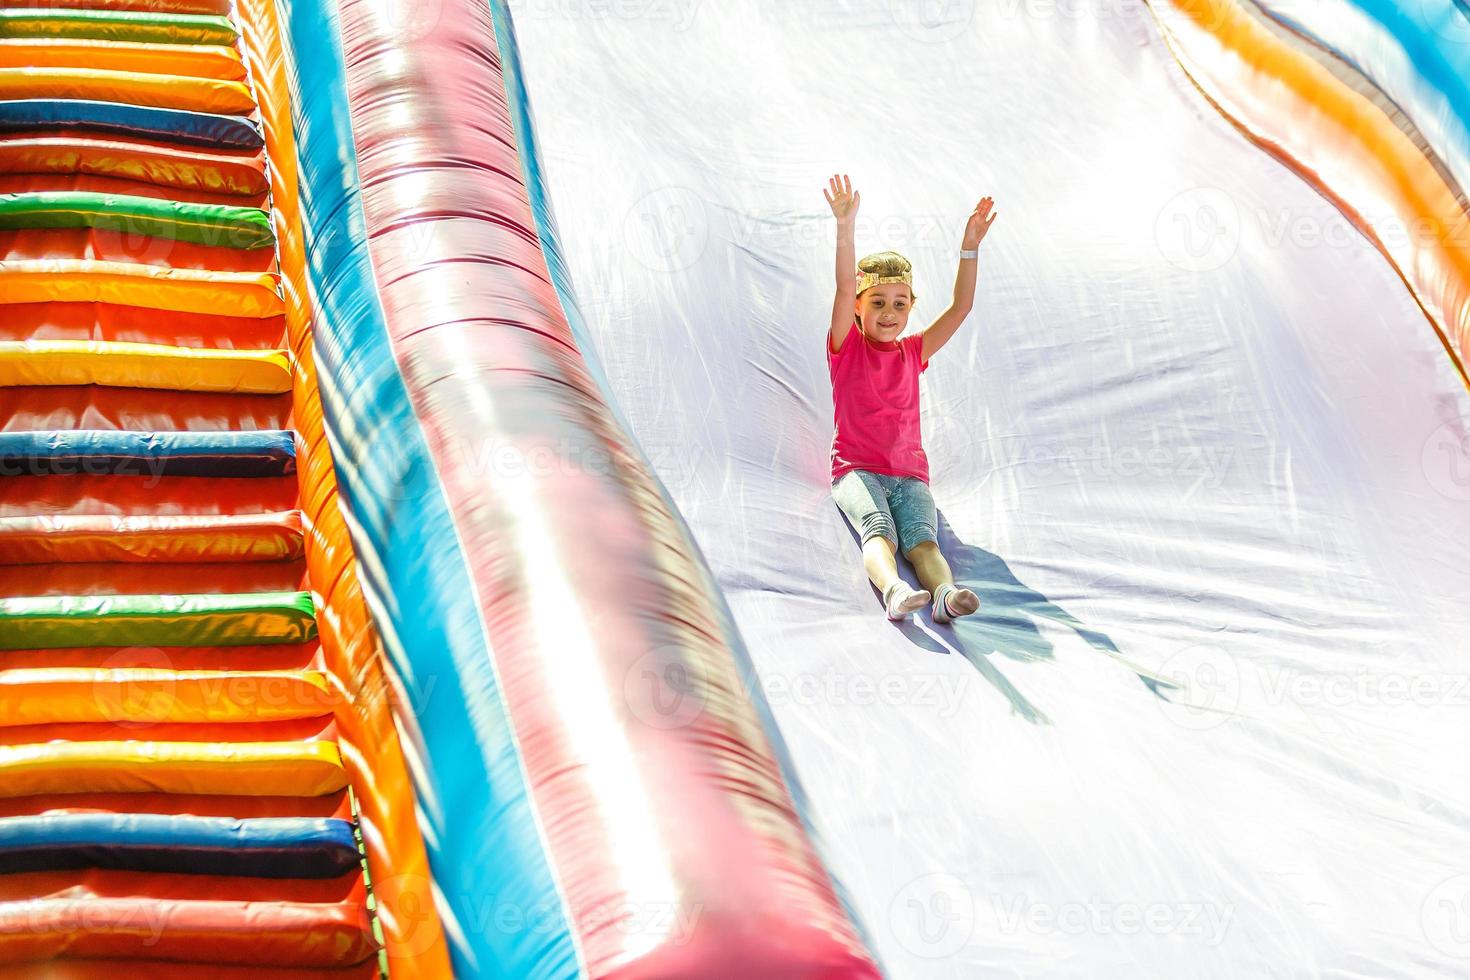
x=117, y=25
x=203, y=224
x=48, y=622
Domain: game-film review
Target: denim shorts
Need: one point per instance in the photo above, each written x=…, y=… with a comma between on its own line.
x=898, y=508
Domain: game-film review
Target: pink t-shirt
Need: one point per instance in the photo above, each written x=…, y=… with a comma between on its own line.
x=875, y=406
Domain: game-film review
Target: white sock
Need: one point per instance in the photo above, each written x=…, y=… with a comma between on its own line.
x=900, y=600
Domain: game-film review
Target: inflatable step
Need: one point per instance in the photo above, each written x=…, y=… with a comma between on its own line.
x=221, y=7
x=150, y=695
x=260, y=847
x=121, y=364
x=252, y=294
x=161, y=91
x=117, y=25
x=111, y=969
x=207, y=768
x=218, y=225
x=191, y=169
x=268, y=452
x=191, y=60
x=264, y=934
x=171, y=538
x=255, y=618
x=182, y=126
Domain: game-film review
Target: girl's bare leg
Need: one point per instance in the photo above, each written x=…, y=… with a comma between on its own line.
x=880, y=564
x=934, y=572
x=930, y=564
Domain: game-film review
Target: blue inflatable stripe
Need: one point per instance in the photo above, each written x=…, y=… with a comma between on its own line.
x=269, y=452
x=147, y=122
x=485, y=849
x=263, y=847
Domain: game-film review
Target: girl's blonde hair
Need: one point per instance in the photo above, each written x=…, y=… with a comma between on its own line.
x=884, y=267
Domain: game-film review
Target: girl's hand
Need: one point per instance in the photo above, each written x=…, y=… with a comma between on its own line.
x=842, y=198
x=979, y=223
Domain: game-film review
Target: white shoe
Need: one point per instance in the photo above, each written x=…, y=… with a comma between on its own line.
x=900, y=600
x=953, y=602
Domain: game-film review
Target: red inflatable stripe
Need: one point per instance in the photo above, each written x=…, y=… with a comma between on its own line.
x=37, y=540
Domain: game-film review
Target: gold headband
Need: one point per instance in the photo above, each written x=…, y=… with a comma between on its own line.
x=867, y=280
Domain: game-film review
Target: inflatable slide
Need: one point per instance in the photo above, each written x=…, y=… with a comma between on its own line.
x=415, y=538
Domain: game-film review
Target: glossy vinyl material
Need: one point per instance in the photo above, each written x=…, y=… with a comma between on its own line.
x=259, y=922
x=265, y=847
x=143, y=695
x=546, y=781
x=194, y=60
x=131, y=87
x=149, y=454
x=180, y=126
x=129, y=365
x=140, y=325
x=117, y=578
x=65, y=539
x=156, y=620
x=217, y=768
x=96, y=407
x=184, y=167
x=105, y=969
x=370, y=743
x=282, y=732
x=252, y=294
x=159, y=25
x=22, y=496
x=1416, y=54
x=220, y=7
x=1340, y=142
x=1195, y=427
x=330, y=806
x=202, y=224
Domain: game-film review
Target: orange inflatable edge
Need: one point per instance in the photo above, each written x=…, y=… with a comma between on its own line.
x=397, y=860
x=1329, y=127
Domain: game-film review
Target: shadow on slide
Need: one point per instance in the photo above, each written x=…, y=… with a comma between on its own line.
x=1005, y=624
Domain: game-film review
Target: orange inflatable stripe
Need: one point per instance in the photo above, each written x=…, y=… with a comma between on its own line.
x=1337, y=139
x=144, y=696
x=125, y=365
x=191, y=60
x=173, y=538
x=212, y=171
x=252, y=294
x=211, y=768
x=134, y=88
x=398, y=863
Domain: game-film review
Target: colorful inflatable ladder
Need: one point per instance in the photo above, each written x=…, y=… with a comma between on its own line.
x=171, y=786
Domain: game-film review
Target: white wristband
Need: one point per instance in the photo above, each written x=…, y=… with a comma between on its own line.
x=969, y=253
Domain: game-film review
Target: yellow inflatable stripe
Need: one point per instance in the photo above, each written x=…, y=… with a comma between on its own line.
x=134, y=88
x=251, y=294
x=209, y=768
x=154, y=695
x=191, y=60
x=119, y=364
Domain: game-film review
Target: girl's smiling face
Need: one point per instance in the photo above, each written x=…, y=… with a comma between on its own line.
x=883, y=310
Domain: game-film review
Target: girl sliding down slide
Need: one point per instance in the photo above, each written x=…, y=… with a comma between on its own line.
x=880, y=475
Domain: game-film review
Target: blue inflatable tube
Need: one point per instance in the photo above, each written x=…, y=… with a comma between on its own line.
x=151, y=454
x=182, y=126
x=260, y=847
x=480, y=830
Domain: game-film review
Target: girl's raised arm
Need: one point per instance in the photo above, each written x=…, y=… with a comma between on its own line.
x=844, y=202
